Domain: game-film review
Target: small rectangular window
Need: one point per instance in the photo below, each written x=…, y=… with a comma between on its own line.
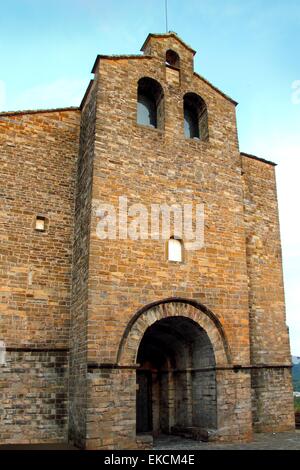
x=40, y=224
x=175, y=250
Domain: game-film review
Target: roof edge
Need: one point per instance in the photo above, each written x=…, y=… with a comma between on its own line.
x=86, y=94
x=119, y=57
x=37, y=111
x=216, y=89
x=254, y=157
x=167, y=35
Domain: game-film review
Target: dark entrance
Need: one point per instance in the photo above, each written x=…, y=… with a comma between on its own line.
x=176, y=385
x=143, y=401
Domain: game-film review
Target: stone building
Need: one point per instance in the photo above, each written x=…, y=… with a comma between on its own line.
x=111, y=341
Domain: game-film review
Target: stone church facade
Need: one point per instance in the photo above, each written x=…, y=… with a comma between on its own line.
x=109, y=342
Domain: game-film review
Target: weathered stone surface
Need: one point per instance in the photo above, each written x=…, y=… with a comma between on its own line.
x=38, y=168
x=34, y=397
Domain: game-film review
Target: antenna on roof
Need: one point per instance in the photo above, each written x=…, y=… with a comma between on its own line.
x=166, y=12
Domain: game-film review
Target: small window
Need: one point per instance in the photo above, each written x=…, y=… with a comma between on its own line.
x=150, y=103
x=172, y=58
x=2, y=353
x=40, y=224
x=175, y=250
x=195, y=117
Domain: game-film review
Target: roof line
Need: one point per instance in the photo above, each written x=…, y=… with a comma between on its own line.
x=87, y=91
x=117, y=57
x=37, y=111
x=133, y=56
x=167, y=35
x=216, y=89
x=254, y=157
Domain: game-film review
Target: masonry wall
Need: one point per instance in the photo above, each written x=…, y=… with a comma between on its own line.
x=272, y=400
x=234, y=404
x=110, y=413
x=271, y=382
x=80, y=277
x=38, y=166
x=34, y=397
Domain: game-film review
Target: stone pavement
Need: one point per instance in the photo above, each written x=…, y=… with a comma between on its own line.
x=278, y=441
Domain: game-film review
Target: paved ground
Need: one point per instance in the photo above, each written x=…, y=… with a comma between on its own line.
x=280, y=441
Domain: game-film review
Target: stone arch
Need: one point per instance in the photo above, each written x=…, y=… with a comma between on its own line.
x=172, y=307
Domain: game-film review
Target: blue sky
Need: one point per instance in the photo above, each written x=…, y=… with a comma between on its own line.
x=248, y=48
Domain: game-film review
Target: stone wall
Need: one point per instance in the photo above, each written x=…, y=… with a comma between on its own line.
x=34, y=397
x=272, y=400
x=273, y=406
x=80, y=278
x=268, y=331
x=111, y=412
x=204, y=413
x=38, y=166
x=234, y=405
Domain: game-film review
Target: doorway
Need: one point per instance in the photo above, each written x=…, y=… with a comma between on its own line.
x=176, y=384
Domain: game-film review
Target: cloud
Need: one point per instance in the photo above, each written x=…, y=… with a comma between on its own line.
x=2, y=95
x=59, y=93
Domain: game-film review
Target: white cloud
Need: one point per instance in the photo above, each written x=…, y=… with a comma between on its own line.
x=60, y=93
x=296, y=92
x=2, y=95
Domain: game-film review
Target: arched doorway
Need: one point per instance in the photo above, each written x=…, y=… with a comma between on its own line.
x=205, y=396
x=176, y=382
